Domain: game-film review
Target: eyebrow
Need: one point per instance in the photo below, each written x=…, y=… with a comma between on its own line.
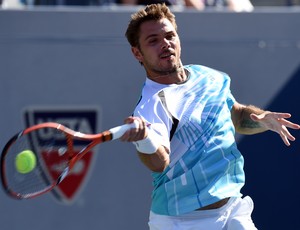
x=151, y=36
x=155, y=35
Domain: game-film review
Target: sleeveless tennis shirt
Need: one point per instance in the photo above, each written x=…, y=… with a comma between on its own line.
x=205, y=164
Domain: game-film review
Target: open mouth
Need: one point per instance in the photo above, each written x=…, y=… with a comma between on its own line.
x=166, y=55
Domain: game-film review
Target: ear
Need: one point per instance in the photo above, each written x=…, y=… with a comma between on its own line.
x=137, y=54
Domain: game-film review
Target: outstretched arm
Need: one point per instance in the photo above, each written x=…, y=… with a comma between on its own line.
x=251, y=120
x=156, y=158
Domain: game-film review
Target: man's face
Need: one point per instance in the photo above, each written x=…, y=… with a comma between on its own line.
x=159, y=49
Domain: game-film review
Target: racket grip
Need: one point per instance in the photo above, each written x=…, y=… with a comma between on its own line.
x=118, y=131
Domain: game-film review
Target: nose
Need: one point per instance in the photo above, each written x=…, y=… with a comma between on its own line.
x=165, y=44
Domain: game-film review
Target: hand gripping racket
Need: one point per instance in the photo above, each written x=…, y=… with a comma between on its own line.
x=57, y=140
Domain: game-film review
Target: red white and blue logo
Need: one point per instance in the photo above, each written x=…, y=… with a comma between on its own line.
x=84, y=120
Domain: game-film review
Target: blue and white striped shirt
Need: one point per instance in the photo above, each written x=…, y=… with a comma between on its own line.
x=205, y=164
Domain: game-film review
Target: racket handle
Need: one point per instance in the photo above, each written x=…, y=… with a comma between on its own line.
x=118, y=131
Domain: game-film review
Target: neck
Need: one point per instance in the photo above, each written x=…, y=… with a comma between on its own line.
x=178, y=76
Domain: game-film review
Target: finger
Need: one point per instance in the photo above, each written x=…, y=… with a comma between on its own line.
x=289, y=135
x=137, y=134
x=285, y=139
x=129, y=120
x=281, y=115
x=131, y=133
x=286, y=136
x=289, y=124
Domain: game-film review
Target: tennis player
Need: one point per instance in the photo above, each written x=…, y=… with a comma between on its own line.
x=187, y=121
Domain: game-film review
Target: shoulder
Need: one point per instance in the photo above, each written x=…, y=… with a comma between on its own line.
x=211, y=73
x=148, y=97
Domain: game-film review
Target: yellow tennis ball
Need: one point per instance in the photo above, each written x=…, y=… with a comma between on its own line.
x=25, y=161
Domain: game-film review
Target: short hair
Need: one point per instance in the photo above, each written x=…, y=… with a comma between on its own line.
x=154, y=12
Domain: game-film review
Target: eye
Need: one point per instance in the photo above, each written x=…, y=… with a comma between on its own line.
x=171, y=37
x=152, y=41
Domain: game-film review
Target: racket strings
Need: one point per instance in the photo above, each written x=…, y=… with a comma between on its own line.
x=52, y=157
x=70, y=144
x=23, y=184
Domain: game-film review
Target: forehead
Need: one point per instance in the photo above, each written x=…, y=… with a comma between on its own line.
x=152, y=28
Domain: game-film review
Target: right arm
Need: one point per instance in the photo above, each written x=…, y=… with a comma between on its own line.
x=157, y=160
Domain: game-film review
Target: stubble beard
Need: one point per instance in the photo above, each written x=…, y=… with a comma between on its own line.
x=174, y=70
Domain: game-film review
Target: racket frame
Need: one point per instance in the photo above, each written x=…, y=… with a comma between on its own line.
x=71, y=135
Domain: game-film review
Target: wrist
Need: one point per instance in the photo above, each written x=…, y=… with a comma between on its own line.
x=148, y=145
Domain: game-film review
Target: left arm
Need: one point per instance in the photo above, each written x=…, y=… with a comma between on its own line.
x=251, y=120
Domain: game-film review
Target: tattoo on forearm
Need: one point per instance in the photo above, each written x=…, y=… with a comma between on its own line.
x=249, y=124
x=246, y=121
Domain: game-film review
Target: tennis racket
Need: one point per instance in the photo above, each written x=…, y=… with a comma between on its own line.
x=58, y=145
